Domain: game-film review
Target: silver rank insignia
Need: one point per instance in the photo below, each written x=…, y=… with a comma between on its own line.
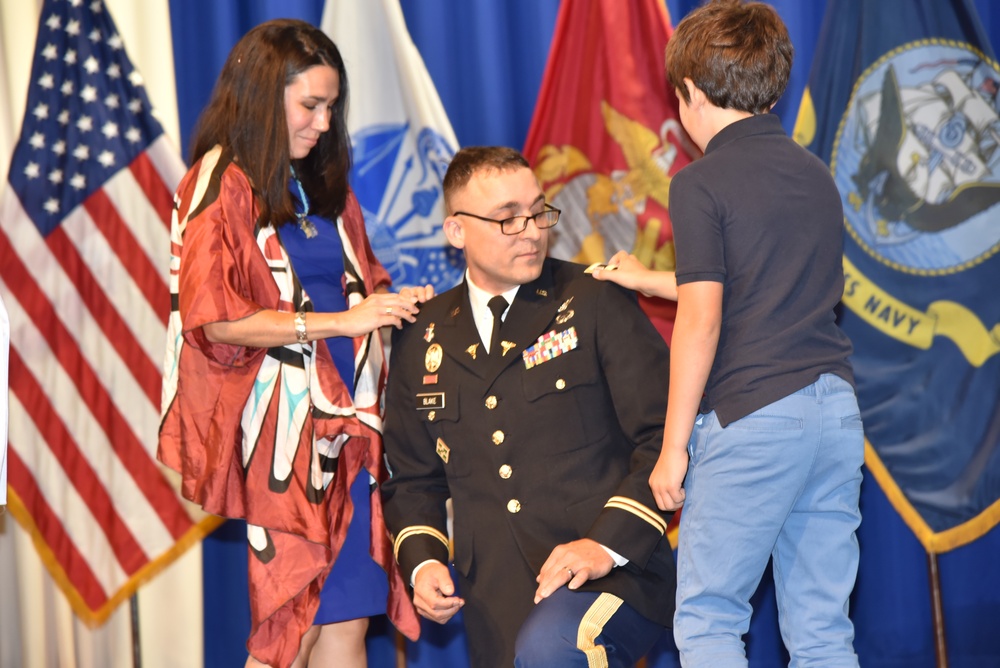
x=442, y=450
x=433, y=357
x=550, y=346
x=429, y=334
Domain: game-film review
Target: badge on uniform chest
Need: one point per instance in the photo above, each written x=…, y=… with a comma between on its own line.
x=433, y=357
x=429, y=401
x=549, y=346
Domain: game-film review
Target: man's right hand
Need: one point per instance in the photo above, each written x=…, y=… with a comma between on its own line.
x=433, y=593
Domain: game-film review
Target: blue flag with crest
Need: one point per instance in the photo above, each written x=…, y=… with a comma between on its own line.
x=903, y=105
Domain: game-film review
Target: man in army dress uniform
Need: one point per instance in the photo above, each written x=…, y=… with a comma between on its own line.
x=541, y=416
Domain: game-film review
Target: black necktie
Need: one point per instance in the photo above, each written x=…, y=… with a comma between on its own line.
x=498, y=305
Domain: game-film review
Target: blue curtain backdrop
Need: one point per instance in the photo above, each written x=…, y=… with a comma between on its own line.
x=487, y=58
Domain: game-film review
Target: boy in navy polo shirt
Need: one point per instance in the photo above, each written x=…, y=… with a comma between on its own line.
x=762, y=427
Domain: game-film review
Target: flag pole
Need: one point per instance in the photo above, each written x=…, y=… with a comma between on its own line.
x=133, y=604
x=937, y=611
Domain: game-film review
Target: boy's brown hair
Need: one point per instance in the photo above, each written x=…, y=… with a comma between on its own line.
x=739, y=54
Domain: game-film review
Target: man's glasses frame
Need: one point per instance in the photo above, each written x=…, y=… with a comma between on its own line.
x=517, y=224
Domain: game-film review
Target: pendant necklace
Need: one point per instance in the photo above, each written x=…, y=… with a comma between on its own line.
x=306, y=225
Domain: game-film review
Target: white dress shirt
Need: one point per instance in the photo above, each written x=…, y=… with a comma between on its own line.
x=481, y=313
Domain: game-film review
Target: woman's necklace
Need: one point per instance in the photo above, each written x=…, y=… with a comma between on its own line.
x=305, y=224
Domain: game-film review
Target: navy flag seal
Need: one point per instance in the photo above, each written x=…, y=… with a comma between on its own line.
x=917, y=161
x=917, y=158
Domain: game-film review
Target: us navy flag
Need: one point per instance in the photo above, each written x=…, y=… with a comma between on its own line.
x=902, y=104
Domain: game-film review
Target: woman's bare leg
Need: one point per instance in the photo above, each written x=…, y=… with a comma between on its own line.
x=341, y=644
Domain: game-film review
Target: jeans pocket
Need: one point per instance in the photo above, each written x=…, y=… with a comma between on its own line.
x=851, y=422
x=763, y=421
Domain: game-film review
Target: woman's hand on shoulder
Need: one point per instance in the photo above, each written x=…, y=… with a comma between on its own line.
x=422, y=293
x=382, y=309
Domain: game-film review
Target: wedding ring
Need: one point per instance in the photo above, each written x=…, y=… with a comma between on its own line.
x=571, y=574
x=388, y=310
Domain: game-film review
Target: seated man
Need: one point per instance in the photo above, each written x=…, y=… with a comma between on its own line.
x=533, y=396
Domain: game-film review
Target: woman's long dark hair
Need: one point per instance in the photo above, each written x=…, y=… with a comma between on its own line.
x=246, y=116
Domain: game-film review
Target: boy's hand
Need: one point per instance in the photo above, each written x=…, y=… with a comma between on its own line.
x=627, y=271
x=667, y=478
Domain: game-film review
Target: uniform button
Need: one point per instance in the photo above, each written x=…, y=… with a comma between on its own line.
x=560, y=384
x=513, y=506
x=491, y=402
x=432, y=415
x=498, y=437
x=505, y=471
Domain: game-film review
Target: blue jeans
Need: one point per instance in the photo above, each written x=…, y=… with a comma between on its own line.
x=781, y=483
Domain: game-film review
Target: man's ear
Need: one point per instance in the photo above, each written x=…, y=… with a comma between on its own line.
x=454, y=232
x=695, y=94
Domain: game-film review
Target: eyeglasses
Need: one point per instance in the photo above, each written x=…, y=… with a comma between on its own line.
x=517, y=224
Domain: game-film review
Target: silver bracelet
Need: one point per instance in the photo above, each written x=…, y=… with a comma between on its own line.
x=300, y=327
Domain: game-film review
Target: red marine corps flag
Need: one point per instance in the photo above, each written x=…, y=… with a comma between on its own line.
x=606, y=136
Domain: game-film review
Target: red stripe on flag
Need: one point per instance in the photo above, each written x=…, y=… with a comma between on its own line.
x=107, y=317
x=136, y=460
x=90, y=323
x=126, y=548
x=121, y=240
x=51, y=531
x=153, y=187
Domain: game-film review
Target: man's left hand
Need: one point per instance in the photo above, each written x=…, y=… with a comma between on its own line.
x=572, y=564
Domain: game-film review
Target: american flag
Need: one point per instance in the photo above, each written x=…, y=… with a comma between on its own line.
x=84, y=246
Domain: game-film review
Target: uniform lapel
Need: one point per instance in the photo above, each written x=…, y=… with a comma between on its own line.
x=458, y=335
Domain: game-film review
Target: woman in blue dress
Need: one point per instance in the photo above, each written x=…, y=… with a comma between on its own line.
x=275, y=372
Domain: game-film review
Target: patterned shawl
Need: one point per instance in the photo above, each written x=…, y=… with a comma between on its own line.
x=270, y=435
